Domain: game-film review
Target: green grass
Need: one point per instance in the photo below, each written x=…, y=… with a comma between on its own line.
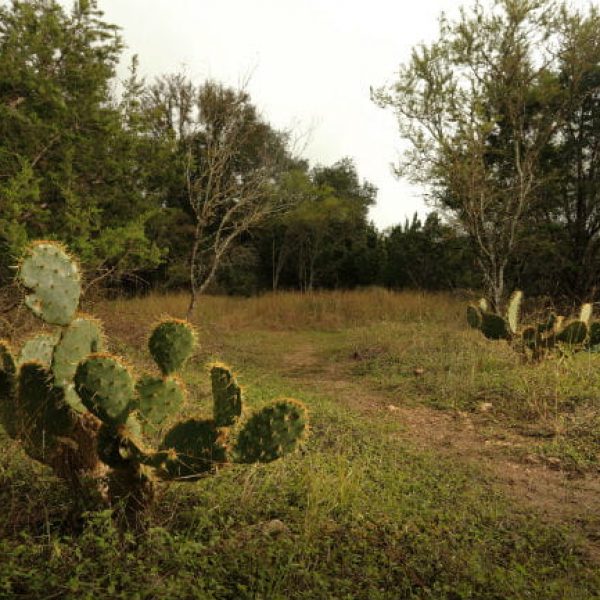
x=365, y=517
x=361, y=512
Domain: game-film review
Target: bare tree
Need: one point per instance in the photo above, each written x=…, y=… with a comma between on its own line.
x=232, y=167
x=232, y=160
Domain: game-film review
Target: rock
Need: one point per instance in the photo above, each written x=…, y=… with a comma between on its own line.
x=274, y=528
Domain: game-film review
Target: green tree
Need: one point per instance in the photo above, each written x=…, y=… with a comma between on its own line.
x=478, y=108
x=428, y=256
x=571, y=198
x=69, y=168
x=326, y=239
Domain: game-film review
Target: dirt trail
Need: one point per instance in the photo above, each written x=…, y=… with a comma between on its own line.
x=555, y=495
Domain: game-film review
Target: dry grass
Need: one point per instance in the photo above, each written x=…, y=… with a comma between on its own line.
x=323, y=310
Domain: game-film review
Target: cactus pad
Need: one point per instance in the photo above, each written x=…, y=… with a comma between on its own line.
x=514, y=310
x=158, y=400
x=72, y=399
x=227, y=396
x=52, y=276
x=585, y=313
x=531, y=337
x=494, y=327
x=105, y=387
x=42, y=414
x=573, y=333
x=272, y=432
x=484, y=305
x=474, y=316
x=118, y=445
x=80, y=339
x=549, y=324
x=39, y=349
x=594, y=328
x=196, y=447
x=171, y=344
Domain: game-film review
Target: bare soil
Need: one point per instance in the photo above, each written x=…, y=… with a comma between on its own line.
x=556, y=496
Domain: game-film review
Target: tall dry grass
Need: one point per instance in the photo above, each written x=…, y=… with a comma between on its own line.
x=324, y=310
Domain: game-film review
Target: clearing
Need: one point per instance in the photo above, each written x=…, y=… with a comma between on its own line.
x=439, y=466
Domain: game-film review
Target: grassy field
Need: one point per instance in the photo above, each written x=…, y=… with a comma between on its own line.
x=439, y=466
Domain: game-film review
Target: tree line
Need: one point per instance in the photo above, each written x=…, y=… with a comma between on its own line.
x=173, y=183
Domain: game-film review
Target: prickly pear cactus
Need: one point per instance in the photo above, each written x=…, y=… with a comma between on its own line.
x=133, y=414
x=492, y=325
x=189, y=448
x=83, y=411
x=537, y=340
x=513, y=311
x=474, y=316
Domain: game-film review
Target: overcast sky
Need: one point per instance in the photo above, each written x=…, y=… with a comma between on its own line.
x=311, y=64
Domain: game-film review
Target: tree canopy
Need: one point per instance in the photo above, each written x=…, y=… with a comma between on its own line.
x=175, y=183
x=484, y=108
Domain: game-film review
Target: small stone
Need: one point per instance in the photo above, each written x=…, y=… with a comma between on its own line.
x=485, y=406
x=275, y=527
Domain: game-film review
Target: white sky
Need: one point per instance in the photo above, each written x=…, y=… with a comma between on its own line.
x=311, y=64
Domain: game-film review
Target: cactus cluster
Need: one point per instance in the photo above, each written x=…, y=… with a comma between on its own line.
x=80, y=409
x=536, y=340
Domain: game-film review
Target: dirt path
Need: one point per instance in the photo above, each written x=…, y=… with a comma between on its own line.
x=555, y=495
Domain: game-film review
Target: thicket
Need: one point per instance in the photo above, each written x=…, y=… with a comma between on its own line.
x=118, y=177
x=112, y=436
